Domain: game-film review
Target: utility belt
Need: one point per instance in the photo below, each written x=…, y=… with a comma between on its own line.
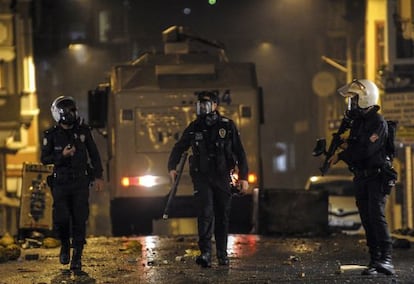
x=210, y=163
x=67, y=176
x=367, y=172
x=388, y=173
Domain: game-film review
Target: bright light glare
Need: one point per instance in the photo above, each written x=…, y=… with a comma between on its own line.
x=147, y=181
x=144, y=181
x=249, y=247
x=265, y=45
x=125, y=181
x=252, y=178
x=314, y=178
x=29, y=75
x=80, y=52
x=150, y=242
x=76, y=46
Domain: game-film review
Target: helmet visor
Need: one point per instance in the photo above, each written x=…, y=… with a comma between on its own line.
x=67, y=111
x=68, y=116
x=203, y=107
x=352, y=89
x=352, y=102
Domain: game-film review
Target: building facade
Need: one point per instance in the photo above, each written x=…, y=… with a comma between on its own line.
x=18, y=106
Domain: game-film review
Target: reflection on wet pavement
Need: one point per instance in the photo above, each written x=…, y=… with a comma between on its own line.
x=171, y=259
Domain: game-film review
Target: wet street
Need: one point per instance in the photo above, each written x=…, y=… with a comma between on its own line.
x=253, y=259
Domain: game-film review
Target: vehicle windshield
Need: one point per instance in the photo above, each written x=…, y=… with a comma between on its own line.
x=335, y=188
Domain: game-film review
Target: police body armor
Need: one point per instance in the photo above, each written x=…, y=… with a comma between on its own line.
x=212, y=148
x=76, y=167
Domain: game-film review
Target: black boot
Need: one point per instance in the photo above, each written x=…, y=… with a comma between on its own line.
x=385, y=265
x=204, y=259
x=222, y=258
x=372, y=265
x=76, y=263
x=64, y=255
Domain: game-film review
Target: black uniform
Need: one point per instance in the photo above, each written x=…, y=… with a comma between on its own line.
x=216, y=150
x=71, y=178
x=366, y=157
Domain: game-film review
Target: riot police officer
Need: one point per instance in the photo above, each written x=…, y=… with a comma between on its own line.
x=365, y=154
x=216, y=151
x=70, y=147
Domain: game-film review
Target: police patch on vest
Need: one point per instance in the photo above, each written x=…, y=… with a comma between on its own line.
x=198, y=136
x=222, y=132
x=82, y=138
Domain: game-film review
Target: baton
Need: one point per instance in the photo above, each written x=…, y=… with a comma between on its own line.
x=174, y=187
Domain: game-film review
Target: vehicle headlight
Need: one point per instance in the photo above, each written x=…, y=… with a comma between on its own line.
x=144, y=181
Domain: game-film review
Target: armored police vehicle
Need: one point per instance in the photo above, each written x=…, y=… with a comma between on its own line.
x=145, y=108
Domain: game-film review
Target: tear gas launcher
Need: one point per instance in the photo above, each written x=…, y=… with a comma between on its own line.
x=320, y=147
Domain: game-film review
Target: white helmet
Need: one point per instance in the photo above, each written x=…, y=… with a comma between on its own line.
x=64, y=110
x=366, y=91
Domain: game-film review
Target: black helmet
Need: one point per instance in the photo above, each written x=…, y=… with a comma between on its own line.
x=208, y=95
x=64, y=110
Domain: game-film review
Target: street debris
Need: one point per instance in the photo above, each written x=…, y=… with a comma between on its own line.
x=9, y=250
x=131, y=246
x=192, y=253
x=6, y=240
x=163, y=259
x=51, y=243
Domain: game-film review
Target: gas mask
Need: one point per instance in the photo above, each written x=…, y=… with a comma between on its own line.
x=205, y=110
x=68, y=117
x=353, y=110
x=204, y=107
x=207, y=102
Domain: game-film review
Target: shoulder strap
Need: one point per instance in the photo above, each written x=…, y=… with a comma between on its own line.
x=225, y=123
